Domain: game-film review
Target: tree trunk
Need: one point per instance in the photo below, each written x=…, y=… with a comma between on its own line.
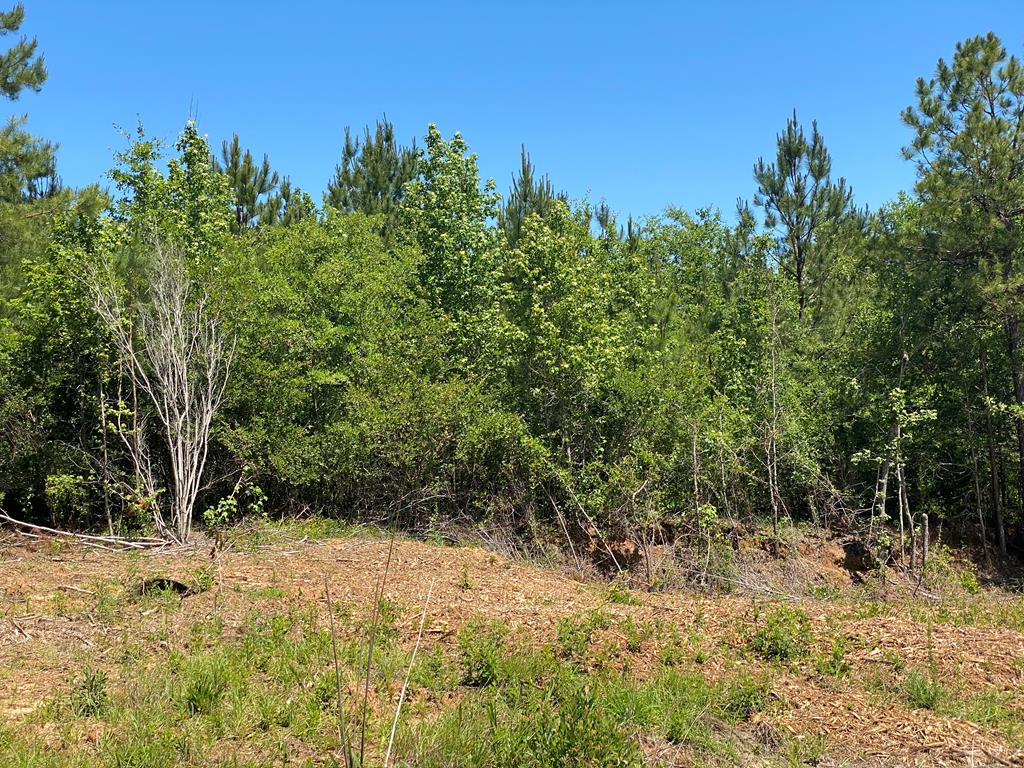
x=993, y=463
x=900, y=495
x=977, y=502
x=1013, y=342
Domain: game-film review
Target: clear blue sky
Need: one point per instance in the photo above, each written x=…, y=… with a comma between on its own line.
x=643, y=104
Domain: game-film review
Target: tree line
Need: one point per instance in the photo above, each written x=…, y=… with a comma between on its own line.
x=201, y=340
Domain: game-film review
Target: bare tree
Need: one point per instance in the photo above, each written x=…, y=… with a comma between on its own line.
x=175, y=354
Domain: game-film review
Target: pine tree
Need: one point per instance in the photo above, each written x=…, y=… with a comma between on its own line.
x=20, y=67
x=289, y=205
x=250, y=183
x=968, y=122
x=529, y=194
x=373, y=172
x=803, y=206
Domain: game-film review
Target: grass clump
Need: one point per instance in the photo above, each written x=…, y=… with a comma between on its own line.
x=923, y=691
x=89, y=696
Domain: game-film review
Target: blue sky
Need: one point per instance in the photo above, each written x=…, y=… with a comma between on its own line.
x=642, y=104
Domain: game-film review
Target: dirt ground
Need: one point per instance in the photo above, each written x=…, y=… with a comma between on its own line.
x=49, y=628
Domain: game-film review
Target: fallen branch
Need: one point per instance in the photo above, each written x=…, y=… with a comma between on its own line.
x=31, y=529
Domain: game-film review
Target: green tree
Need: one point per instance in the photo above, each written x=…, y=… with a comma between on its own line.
x=529, y=194
x=373, y=173
x=450, y=215
x=250, y=183
x=20, y=66
x=803, y=206
x=968, y=123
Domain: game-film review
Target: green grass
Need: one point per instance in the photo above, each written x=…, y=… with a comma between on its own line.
x=264, y=693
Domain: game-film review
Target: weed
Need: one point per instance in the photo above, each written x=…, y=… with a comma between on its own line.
x=574, y=635
x=204, y=686
x=782, y=634
x=619, y=592
x=923, y=691
x=89, y=696
x=636, y=634
x=481, y=647
x=743, y=697
x=835, y=664
x=465, y=583
x=203, y=579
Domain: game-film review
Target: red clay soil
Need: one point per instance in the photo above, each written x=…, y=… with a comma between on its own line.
x=49, y=628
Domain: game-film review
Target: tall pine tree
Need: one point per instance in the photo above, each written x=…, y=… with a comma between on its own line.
x=373, y=172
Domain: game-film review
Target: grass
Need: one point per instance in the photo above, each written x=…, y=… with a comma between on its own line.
x=264, y=694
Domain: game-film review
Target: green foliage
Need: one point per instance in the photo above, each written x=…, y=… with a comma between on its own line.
x=373, y=174
x=20, y=66
x=89, y=696
x=923, y=691
x=482, y=647
x=424, y=351
x=779, y=634
x=835, y=664
x=574, y=635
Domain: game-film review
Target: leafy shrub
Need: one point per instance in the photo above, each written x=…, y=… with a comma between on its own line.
x=782, y=634
x=481, y=647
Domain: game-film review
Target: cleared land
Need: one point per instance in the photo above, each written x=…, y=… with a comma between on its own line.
x=518, y=665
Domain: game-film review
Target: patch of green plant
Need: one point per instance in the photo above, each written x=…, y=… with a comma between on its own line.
x=563, y=722
x=618, y=592
x=574, y=634
x=780, y=634
x=89, y=696
x=204, y=683
x=835, y=663
x=743, y=697
x=923, y=691
x=636, y=633
x=203, y=579
x=482, y=646
x=465, y=583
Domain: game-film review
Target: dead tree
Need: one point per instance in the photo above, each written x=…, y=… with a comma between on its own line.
x=176, y=356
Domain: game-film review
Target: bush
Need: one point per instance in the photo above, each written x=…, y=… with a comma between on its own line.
x=782, y=634
x=482, y=646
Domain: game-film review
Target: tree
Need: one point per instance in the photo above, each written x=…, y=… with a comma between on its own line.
x=528, y=195
x=373, y=173
x=449, y=215
x=20, y=67
x=173, y=350
x=288, y=205
x=250, y=183
x=803, y=206
x=969, y=126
